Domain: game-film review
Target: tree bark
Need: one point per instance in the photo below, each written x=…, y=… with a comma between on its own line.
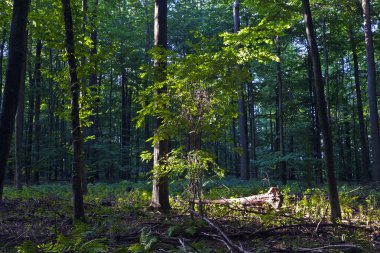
x=77, y=140
x=359, y=104
x=322, y=113
x=15, y=67
x=160, y=193
x=372, y=96
x=279, y=114
x=19, y=128
x=244, y=157
x=1, y=64
x=37, y=110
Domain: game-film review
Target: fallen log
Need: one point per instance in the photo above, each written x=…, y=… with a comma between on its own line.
x=273, y=198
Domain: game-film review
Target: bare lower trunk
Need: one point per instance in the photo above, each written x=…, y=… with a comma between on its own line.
x=77, y=140
x=15, y=68
x=322, y=113
x=372, y=96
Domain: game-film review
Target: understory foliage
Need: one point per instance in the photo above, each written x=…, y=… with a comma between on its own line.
x=118, y=221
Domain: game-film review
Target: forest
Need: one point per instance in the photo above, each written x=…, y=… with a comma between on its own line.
x=189, y=126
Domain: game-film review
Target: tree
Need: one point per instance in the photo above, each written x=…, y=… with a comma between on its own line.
x=374, y=115
x=244, y=158
x=322, y=112
x=160, y=193
x=15, y=68
x=77, y=139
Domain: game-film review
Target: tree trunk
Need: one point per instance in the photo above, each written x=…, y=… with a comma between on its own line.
x=374, y=116
x=160, y=193
x=77, y=140
x=326, y=61
x=1, y=64
x=124, y=126
x=19, y=128
x=322, y=113
x=279, y=114
x=244, y=158
x=15, y=68
x=37, y=110
x=362, y=128
x=252, y=117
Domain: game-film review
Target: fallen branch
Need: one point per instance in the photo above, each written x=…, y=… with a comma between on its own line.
x=273, y=197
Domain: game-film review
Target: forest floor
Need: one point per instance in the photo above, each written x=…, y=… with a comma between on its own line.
x=39, y=219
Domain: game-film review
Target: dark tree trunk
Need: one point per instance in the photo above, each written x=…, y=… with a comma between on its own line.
x=322, y=113
x=362, y=128
x=244, y=158
x=124, y=126
x=160, y=193
x=77, y=140
x=279, y=115
x=374, y=116
x=1, y=64
x=30, y=124
x=15, y=68
x=252, y=118
x=326, y=61
x=37, y=110
x=19, y=128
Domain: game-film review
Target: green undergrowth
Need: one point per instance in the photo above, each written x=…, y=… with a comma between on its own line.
x=119, y=210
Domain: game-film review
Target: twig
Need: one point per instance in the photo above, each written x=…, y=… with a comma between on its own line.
x=319, y=223
x=232, y=246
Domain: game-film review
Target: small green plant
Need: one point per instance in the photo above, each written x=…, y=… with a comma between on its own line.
x=146, y=244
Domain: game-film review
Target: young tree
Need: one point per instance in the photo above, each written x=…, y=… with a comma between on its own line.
x=322, y=112
x=77, y=140
x=374, y=115
x=160, y=193
x=15, y=68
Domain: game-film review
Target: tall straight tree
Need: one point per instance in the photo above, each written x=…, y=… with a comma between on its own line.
x=160, y=193
x=322, y=112
x=372, y=97
x=244, y=158
x=2, y=46
x=359, y=104
x=77, y=139
x=13, y=78
x=37, y=110
x=279, y=114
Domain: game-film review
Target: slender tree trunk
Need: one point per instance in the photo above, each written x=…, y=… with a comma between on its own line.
x=362, y=128
x=1, y=64
x=322, y=112
x=160, y=193
x=19, y=127
x=252, y=118
x=77, y=140
x=279, y=114
x=37, y=110
x=244, y=158
x=109, y=171
x=326, y=61
x=29, y=137
x=124, y=126
x=374, y=116
x=15, y=68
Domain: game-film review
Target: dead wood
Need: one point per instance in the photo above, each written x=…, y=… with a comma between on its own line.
x=273, y=198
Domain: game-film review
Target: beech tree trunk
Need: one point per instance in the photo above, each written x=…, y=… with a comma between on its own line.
x=15, y=68
x=322, y=113
x=244, y=157
x=160, y=193
x=37, y=110
x=372, y=96
x=362, y=129
x=19, y=128
x=1, y=64
x=77, y=140
x=279, y=115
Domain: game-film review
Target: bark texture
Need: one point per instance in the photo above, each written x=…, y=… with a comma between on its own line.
x=77, y=140
x=322, y=113
x=13, y=78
